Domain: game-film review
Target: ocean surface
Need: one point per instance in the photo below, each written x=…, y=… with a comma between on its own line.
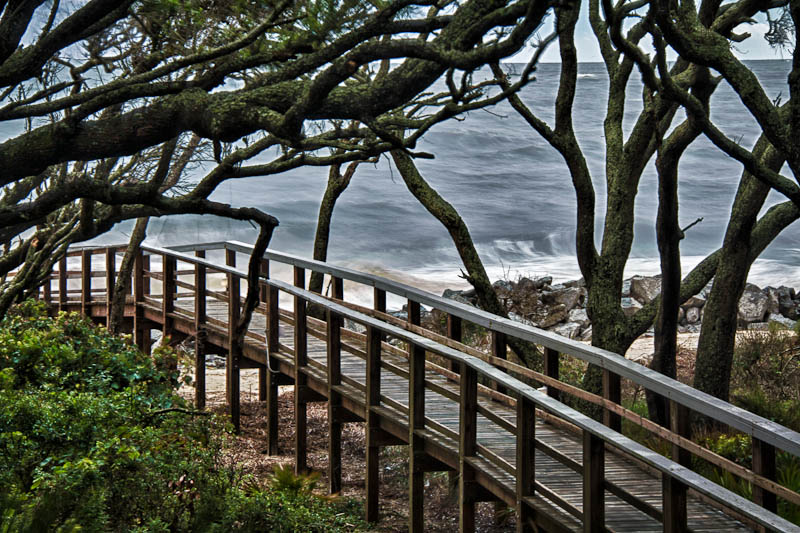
x=512, y=189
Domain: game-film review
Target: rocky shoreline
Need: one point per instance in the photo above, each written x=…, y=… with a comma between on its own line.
x=561, y=307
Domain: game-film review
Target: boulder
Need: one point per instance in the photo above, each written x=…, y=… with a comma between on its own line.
x=503, y=285
x=706, y=290
x=570, y=298
x=787, y=323
x=772, y=300
x=753, y=305
x=579, y=316
x=758, y=326
x=458, y=296
x=694, y=301
x=553, y=315
x=693, y=315
x=681, y=314
x=626, y=288
x=526, y=285
x=568, y=329
x=586, y=335
x=645, y=289
x=786, y=304
x=575, y=283
x=630, y=306
x=540, y=283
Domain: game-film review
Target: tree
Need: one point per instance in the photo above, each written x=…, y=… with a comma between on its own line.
x=111, y=86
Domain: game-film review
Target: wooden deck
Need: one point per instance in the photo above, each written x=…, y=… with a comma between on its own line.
x=560, y=470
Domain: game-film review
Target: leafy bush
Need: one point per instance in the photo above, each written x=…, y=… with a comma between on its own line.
x=93, y=437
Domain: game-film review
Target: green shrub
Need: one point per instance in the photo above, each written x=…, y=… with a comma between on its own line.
x=94, y=438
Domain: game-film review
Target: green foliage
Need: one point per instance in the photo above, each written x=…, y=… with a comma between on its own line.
x=88, y=442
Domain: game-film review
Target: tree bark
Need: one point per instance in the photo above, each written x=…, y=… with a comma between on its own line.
x=123, y=282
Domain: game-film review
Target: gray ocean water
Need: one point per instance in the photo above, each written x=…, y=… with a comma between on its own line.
x=512, y=189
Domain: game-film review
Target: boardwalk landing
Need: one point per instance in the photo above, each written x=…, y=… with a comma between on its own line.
x=560, y=470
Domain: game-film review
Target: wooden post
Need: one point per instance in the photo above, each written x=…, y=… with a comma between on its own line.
x=86, y=282
x=764, y=465
x=674, y=492
x=138, y=300
x=273, y=338
x=499, y=349
x=200, y=332
x=262, y=296
x=612, y=391
x=334, y=362
x=168, y=296
x=526, y=456
x=111, y=268
x=551, y=361
x=63, y=284
x=373, y=397
x=379, y=302
x=467, y=445
x=233, y=365
x=300, y=378
x=454, y=331
x=416, y=418
x=594, y=511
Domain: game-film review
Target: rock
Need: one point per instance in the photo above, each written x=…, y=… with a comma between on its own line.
x=575, y=283
x=788, y=323
x=469, y=293
x=503, y=285
x=706, y=290
x=681, y=314
x=645, y=289
x=579, y=316
x=554, y=315
x=457, y=296
x=772, y=300
x=568, y=329
x=358, y=328
x=526, y=285
x=694, y=301
x=570, y=298
x=693, y=315
x=693, y=328
x=630, y=306
x=786, y=304
x=586, y=335
x=540, y=283
x=758, y=326
x=753, y=305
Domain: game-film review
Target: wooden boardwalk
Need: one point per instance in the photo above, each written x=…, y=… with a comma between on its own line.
x=451, y=404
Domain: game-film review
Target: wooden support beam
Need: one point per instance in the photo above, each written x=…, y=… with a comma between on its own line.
x=200, y=332
x=467, y=446
x=551, y=369
x=594, y=465
x=416, y=418
x=168, y=296
x=373, y=398
x=262, y=296
x=86, y=281
x=62, y=284
x=612, y=391
x=233, y=364
x=300, y=378
x=111, y=267
x=334, y=362
x=526, y=456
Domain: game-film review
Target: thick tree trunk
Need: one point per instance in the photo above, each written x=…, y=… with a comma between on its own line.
x=447, y=215
x=720, y=313
x=123, y=282
x=337, y=183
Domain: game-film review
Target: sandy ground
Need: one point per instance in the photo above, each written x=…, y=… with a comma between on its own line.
x=642, y=348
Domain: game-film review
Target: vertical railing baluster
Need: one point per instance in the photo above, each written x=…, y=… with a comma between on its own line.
x=416, y=418
x=467, y=446
x=110, y=281
x=612, y=391
x=673, y=492
x=454, y=331
x=138, y=300
x=594, y=510
x=233, y=365
x=86, y=282
x=499, y=349
x=373, y=398
x=764, y=465
x=334, y=363
x=551, y=363
x=62, y=283
x=300, y=377
x=200, y=331
x=273, y=339
x=526, y=456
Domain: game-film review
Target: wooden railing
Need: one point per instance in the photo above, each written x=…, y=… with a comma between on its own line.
x=476, y=373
